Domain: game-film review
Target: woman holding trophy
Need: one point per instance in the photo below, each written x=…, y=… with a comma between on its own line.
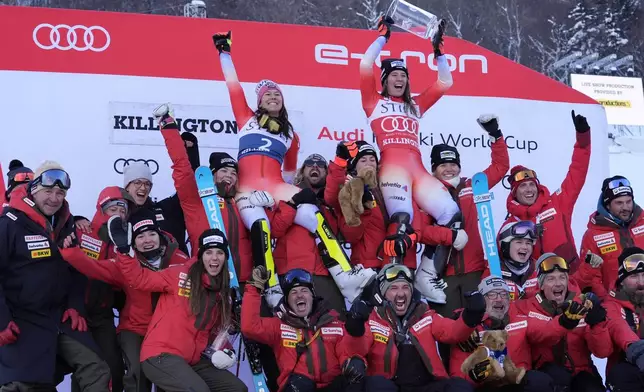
x=394, y=118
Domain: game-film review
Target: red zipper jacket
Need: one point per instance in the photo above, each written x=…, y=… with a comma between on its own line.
x=574, y=350
x=173, y=328
x=623, y=325
x=607, y=239
x=194, y=214
x=554, y=211
x=328, y=343
x=524, y=333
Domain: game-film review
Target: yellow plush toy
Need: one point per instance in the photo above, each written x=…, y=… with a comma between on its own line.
x=504, y=372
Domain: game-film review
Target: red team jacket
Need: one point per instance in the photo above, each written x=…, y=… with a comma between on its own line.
x=573, y=352
x=524, y=333
x=554, y=211
x=623, y=324
x=139, y=305
x=427, y=328
x=195, y=216
x=607, y=239
x=328, y=346
x=367, y=238
x=472, y=258
x=172, y=328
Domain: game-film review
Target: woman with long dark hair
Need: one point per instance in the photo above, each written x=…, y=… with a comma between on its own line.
x=267, y=157
x=394, y=116
x=194, y=306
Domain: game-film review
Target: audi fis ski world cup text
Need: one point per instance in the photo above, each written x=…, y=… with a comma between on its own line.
x=340, y=55
x=65, y=37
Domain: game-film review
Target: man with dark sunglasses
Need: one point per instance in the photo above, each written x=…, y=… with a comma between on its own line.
x=624, y=306
x=569, y=361
x=530, y=200
x=312, y=347
x=617, y=224
x=41, y=295
x=402, y=333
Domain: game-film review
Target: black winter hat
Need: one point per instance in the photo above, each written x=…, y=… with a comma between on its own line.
x=364, y=149
x=16, y=167
x=614, y=187
x=212, y=238
x=390, y=65
x=193, y=152
x=143, y=220
x=621, y=271
x=221, y=159
x=443, y=153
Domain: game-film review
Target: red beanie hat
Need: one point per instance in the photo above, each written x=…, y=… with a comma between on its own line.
x=520, y=174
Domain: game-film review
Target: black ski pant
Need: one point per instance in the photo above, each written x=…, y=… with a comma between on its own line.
x=533, y=381
x=382, y=384
x=90, y=372
x=173, y=374
x=103, y=330
x=625, y=377
x=300, y=383
x=134, y=380
x=581, y=382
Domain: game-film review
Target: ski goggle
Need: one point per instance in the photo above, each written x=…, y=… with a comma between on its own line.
x=619, y=183
x=297, y=276
x=52, y=178
x=552, y=263
x=524, y=175
x=23, y=177
x=524, y=229
x=633, y=262
x=394, y=272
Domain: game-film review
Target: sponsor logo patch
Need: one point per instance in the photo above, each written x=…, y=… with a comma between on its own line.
x=531, y=282
x=37, y=254
x=33, y=238
x=289, y=335
x=91, y=254
x=605, y=242
x=12, y=216
x=91, y=240
x=289, y=343
x=332, y=331
x=519, y=325
x=380, y=338
x=38, y=245
x=608, y=249
x=465, y=192
x=425, y=321
x=539, y=316
x=600, y=237
x=144, y=222
x=160, y=217
x=91, y=247
x=546, y=215
x=285, y=327
x=638, y=230
x=29, y=202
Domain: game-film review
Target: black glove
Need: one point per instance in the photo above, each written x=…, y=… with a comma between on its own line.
x=367, y=198
x=223, y=41
x=597, y=314
x=371, y=293
x=474, y=309
x=634, y=353
x=471, y=344
x=490, y=124
x=384, y=26
x=120, y=233
x=572, y=315
x=581, y=124
x=354, y=370
x=344, y=152
x=437, y=39
x=397, y=245
x=481, y=371
x=305, y=196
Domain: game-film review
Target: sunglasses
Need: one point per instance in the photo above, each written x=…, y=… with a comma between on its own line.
x=51, y=178
x=394, y=272
x=315, y=162
x=523, y=175
x=297, y=275
x=632, y=262
x=552, y=263
x=23, y=177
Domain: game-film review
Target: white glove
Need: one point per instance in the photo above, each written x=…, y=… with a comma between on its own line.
x=461, y=240
x=594, y=260
x=223, y=359
x=261, y=199
x=162, y=110
x=484, y=118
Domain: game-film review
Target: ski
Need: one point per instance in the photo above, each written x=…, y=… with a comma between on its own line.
x=210, y=200
x=482, y=198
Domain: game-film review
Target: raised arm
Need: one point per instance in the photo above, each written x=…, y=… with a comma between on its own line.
x=576, y=176
x=433, y=93
x=241, y=110
x=103, y=270
x=368, y=86
x=253, y=326
x=144, y=279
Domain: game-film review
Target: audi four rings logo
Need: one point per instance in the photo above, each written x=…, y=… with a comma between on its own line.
x=121, y=163
x=399, y=124
x=78, y=37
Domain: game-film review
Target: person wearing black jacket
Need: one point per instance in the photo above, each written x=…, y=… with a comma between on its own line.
x=41, y=295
